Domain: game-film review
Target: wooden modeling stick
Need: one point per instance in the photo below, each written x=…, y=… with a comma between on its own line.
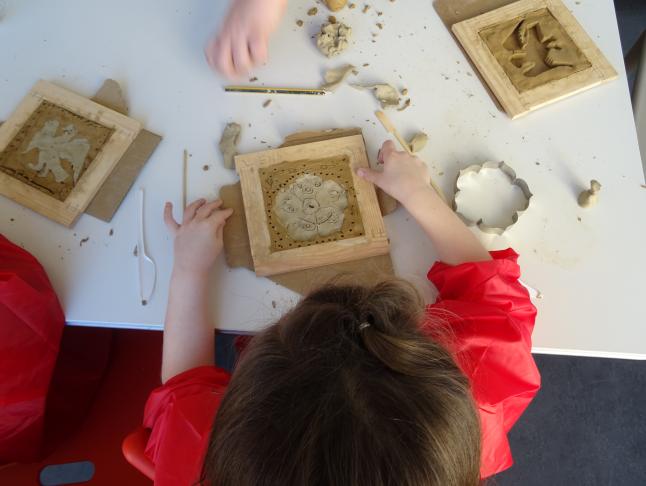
x=184, y=178
x=390, y=128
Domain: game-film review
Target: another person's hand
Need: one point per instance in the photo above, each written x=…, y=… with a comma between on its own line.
x=403, y=175
x=244, y=36
x=198, y=240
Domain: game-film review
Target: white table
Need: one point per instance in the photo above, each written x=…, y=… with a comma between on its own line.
x=590, y=272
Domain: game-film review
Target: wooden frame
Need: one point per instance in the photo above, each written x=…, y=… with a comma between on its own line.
x=373, y=242
x=517, y=103
x=66, y=212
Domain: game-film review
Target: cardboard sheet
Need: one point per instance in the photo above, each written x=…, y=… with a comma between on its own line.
x=114, y=189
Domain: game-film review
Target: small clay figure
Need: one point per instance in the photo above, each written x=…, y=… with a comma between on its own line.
x=228, y=143
x=590, y=197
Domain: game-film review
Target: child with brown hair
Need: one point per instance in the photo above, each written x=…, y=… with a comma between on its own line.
x=355, y=385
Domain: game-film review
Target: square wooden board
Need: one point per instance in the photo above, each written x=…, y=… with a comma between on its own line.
x=517, y=103
x=124, y=130
x=374, y=240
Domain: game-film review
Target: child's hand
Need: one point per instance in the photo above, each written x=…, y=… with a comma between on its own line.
x=403, y=176
x=242, y=40
x=198, y=240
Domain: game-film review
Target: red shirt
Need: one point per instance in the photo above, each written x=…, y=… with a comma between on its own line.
x=491, y=318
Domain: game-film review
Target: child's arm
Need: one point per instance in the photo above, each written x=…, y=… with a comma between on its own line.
x=244, y=36
x=406, y=178
x=188, y=329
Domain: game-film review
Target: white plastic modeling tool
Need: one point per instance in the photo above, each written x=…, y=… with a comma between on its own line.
x=147, y=267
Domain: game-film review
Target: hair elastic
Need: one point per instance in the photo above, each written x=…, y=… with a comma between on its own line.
x=363, y=325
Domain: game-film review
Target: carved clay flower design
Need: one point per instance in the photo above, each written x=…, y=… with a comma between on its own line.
x=311, y=207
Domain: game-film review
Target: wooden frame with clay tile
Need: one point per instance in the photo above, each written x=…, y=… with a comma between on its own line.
x=66, y=212
x=517, y=104
x=374, y=241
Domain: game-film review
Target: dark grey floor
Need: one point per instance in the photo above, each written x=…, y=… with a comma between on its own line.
x=587, y=426
x=631, y=17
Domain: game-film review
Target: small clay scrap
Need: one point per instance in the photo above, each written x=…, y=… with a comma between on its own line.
x=385, y=93
x=405, y=105
x=228, y=143
x=312, y=11
x=418, y=142
x=590, y=197
x=334, y=77
x=335, y=5
x=333, y=38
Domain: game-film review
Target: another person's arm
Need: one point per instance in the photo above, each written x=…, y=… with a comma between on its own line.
x=406, y=178
x=188, y=328
x=243, y=39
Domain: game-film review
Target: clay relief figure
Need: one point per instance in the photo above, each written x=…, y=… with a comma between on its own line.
x=311, y=207
x=534, y=49
x=53, y=148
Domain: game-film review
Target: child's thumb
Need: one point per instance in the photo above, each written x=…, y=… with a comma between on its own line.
x=369, y=174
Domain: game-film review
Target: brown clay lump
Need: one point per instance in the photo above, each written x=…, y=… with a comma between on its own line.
x=333, y=38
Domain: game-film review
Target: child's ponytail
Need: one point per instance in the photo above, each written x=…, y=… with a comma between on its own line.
x=347, y=390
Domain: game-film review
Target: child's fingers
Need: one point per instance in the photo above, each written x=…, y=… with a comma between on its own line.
x=169, y=220
x=370, y=175
x=191, y=209
x=241, y=59
x=207, y=209
x=220, y=216
x=387, y=151
x=258, y=49
x=222, y=56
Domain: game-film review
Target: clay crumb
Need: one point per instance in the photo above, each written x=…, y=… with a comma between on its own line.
x=366, y=64
x=405, y=105
x=273, y=304
x=404, y=91
x=312, y=11
x=380, y=25
x=352, y=5
x=299, y=22
x=578, y=218
x=366, y=8
x=379, y=14
x=331, y=19
x=266, y=104
x=251, y=80
x=84, y=240
x=11, y=219
x=205, y=167
x=144, y=302
x=111, y=232
x=135, y=252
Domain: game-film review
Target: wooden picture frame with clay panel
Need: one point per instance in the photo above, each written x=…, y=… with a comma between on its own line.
x=517, y=103
x=124, y=131
x=374, y=240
